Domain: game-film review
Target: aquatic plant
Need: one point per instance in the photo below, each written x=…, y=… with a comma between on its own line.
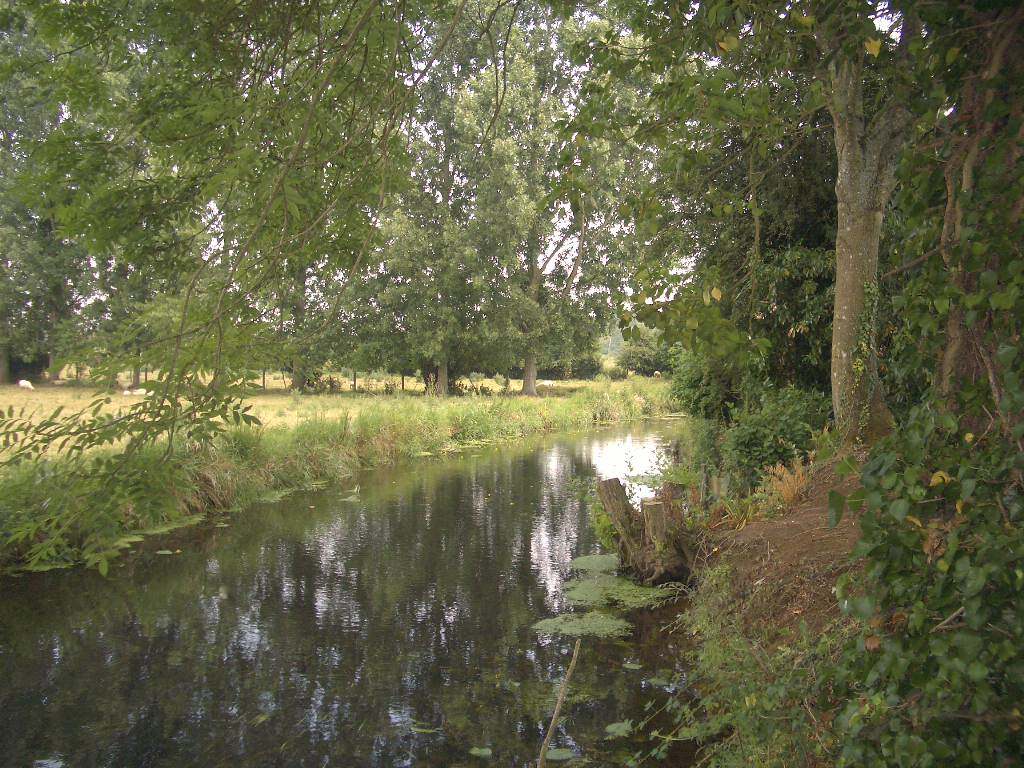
x=590, y=624
x=604, y=590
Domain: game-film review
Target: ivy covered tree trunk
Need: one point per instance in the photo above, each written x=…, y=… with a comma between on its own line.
x=530, y=376
x=857, y=398
x=866, y=153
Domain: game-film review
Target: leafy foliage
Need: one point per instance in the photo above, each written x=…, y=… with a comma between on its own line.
x=777, y=431
x=643, y=352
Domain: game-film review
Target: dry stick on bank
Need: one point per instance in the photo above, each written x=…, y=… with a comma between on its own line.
x=558, y=708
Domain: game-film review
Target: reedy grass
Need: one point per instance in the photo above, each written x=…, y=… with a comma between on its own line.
x=62, y=512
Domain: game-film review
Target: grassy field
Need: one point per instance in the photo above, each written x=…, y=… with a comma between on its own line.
x=276, y=405
x=60, y=512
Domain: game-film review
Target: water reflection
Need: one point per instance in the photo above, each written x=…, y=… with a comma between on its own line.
x=389, y=631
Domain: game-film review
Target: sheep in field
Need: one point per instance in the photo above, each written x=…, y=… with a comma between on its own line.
x=24, y=384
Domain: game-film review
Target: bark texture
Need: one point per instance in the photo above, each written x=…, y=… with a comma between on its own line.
x=866, y=154
x=653, y=542
x=441, y=385
x=530, y=376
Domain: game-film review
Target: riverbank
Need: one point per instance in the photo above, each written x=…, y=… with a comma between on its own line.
x=53, y=514
x=767, y=625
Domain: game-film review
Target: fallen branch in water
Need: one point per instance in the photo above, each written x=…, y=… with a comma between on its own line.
x=558, y=708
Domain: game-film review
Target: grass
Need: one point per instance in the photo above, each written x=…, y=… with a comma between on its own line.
x=60, y=512
x=276, y=405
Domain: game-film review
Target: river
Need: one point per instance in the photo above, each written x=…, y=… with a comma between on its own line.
x=386, y=627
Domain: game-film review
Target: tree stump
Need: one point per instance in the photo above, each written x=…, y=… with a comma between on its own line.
x=653, y=541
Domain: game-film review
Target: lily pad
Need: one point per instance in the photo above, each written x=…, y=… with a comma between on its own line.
x=595, y=563
x=591, y=624
x=423, y=728
x=480, y=752
x=559, y=754
x=619, y=730
x=604, y=590
x=631, y=665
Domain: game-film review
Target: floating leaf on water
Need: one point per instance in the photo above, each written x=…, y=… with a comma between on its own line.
x=423, y=728
x=605, y=590
x=222, y=525
x=480, y=752
x=559, y=754
x=595, y=563
x=592, y=624
x=164, y=552
x=619, y=730
x=631, y=665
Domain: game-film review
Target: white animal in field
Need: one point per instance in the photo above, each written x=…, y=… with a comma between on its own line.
x=126, y=393
x=24, y=384
x=657, y=374
x=139, y=391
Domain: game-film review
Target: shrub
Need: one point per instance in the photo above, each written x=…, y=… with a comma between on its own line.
x=787, y=483
x=778, y=432
x=644, y=352
x=936, y=674
x=704, y=387
x=587, y=366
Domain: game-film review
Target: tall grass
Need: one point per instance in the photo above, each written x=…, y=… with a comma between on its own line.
x=60, y=513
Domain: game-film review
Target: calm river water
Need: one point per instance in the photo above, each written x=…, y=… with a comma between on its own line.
x=387, y=628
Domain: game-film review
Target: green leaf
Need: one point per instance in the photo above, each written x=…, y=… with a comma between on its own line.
x=900, y=509
x=847, y=467
x=836, y=505
x=619, y=730
x=560, y=754
x=480, y=752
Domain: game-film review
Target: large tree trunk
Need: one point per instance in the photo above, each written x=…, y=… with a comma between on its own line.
x=53, y=369
x=441, y=385
x=5, y=364
x=857, y=397
x=866, y=154
x=530, y=376
x=136, y=377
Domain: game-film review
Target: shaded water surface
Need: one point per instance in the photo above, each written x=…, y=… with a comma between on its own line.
x=390, y=628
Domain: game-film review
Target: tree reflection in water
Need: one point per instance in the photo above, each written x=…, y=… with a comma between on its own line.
x=389, y=631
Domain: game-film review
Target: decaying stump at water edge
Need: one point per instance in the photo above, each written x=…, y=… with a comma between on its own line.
x=653, y=542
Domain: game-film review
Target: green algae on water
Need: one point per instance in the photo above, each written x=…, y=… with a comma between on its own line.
x=590, y=624
x=595, y=563
x=605, y=590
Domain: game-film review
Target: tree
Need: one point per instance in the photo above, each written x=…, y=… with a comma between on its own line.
x=44, y=278
x=644, y=352
x=492, y=255
x=755, y=76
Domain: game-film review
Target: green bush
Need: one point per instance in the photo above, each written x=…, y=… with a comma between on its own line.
x=586, y=366
x=777, y=432
x=644, y=352
x=936, y=674
x=704, y=387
